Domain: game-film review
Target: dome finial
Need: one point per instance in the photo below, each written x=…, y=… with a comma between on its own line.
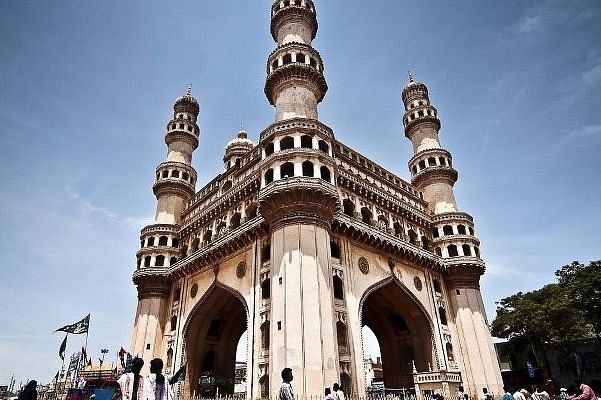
x=189, y=92
x=410, y=76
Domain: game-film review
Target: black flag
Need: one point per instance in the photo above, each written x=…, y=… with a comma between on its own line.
x=61, y=351
x=179, y=376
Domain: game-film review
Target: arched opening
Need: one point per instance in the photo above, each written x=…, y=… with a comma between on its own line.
x=435, y=233
x=426, y=243
x=341, y=335
x=172, y=261
x=173, y=322
x=431, y=162
x=325, y=173
x=207, y=237
x=450, y=355
x=163, y=241
x=194, y=246
x=412, y=237
x=227, y=186
x=266, y=253
x=323, y=146
x=300, y=58
x=150, y=241
x=334, y=249
x=159, y=261
x=266, y=289
x=348, y=207
x=212, y=336
x=169, y=362
x=466, y=250
x=235, y=220
x=366, y=215
x=438, y=252
x=452, y=250
x=461, y=229
x=147, y=261
x=403, y=332
x=476, y=251
x=308, y=168
x=268, y=176
x=306, y=142
x=174, y=242
x=437, y=287
x=447, y=230
x=287, y=59
x=287, y=143
x=251, y=211
x=287, y=170
x=269, y=149
x=443, y=315
x=382, y=222
x=398, y=229
x=265, y=335
x=175, y=174
x=338, y=288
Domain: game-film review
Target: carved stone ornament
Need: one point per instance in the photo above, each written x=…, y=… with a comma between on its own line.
x=194, y=290
x=241, y=269
x=418, y=283
x=363, y=265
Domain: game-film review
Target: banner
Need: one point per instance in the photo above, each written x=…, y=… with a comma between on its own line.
x=78, y=327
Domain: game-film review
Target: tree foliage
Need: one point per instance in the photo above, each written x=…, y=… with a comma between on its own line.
x=546, y=316
x=583, y=285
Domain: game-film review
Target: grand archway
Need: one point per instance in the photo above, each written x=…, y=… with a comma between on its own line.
x=403, y=331
x=212, y=335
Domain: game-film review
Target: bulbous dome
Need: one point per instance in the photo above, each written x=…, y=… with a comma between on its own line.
x=414, y=90
x=187, y=103
x=240, y=145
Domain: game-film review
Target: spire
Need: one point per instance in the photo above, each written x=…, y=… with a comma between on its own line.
x=189, y=92
x=410, y=76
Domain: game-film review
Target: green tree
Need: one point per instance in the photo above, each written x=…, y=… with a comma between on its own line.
x=583, y=285
x=543, y=317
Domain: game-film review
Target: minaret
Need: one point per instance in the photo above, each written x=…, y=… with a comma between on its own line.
x=295, y=82
x=432, y=172
x=174, y=185
x=298, y=199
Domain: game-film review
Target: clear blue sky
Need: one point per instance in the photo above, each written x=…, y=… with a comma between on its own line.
x=86, y=88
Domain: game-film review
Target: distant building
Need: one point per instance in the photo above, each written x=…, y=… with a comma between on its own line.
x=301, y=241
x=373, y=371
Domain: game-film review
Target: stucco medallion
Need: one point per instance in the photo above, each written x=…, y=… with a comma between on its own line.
x=363, y=265
x=241, y=269
x=418, y=283
x=194, y=290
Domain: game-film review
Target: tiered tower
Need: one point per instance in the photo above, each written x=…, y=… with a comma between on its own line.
x=159, y=242
x=302, y=242
x=453, y=235
x=298, y=199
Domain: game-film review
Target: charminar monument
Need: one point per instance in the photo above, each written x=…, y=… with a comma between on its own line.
x=301, y=241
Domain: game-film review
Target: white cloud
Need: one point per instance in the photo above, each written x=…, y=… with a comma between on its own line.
x=589, y=130
x=529, y=24
x=592, y=75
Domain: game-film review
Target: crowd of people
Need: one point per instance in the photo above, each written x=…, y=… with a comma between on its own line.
x=152, y=387
x=577, y=391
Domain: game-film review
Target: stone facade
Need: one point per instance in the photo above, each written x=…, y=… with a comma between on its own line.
x=302, y=241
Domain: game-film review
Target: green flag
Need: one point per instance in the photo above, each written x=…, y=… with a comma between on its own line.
x=78, y=327
x=61, y=350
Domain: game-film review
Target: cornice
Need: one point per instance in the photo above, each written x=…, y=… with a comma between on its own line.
x=290, y=14
x=219, y=206
x=302, y=125
x=383, y=199
x=222, y=247
x=295, y=74
x=385, y=243
x=437, y=174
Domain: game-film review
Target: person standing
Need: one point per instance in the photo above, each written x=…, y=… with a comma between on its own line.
x=156, y=386
x=519, y=395
x=328, y=394
x=486, y=395
x=132, y=383
x=286, y=392
x=338, y=393
x=507, y=395
x=587, y=392
x=540, y=394
x=29, y=392
x=461, y=395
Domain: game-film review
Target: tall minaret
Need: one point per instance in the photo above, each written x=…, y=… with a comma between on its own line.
x=298, y=199
x=453, y=239
x=295, y=82
x=174, y=185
